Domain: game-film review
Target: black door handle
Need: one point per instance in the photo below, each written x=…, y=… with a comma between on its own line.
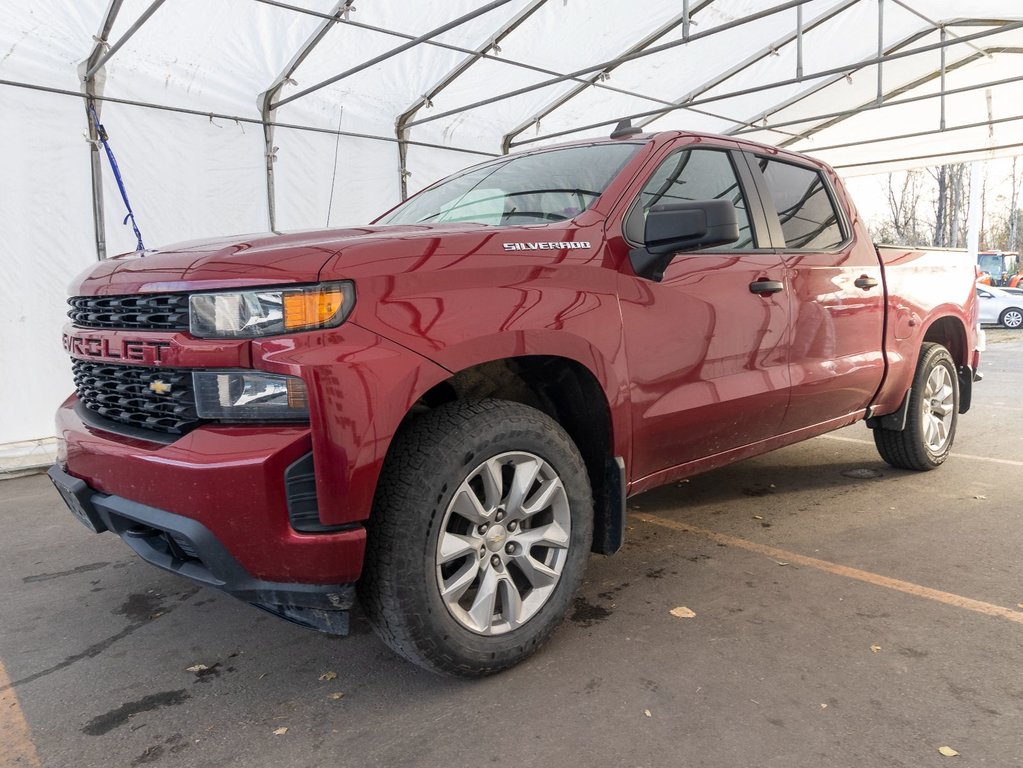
x=766, y=287
x=865, y=282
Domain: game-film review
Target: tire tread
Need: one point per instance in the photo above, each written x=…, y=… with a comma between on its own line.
x=392, y=560
x=905, y=449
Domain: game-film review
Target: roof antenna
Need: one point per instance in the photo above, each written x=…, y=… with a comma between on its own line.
x=624, y=128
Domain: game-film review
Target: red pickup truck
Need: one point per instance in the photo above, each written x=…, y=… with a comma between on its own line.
x=442, y=413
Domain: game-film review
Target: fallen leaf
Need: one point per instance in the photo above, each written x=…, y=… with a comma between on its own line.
x=824, y=706
x=196, y=668
x=336, y=695
x=682, y=612
x=156, y=615
x=780, y=562
x=647, y=713
x=328, y=676
x=280, y=731
x=978, y=496
x=947, y=751
x=875, y=648
x=758, y=517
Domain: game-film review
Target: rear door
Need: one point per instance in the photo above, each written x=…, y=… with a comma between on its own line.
x=707, y=357
x=836, y=295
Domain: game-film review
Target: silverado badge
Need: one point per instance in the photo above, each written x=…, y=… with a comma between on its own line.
x=159, y=386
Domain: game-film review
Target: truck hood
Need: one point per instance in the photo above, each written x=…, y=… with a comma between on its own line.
x=241, y=260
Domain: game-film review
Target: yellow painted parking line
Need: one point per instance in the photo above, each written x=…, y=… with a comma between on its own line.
x=784, y=556
x=971, y=456
x=16, y=747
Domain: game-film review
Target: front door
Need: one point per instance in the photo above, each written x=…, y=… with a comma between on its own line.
x=707, y=356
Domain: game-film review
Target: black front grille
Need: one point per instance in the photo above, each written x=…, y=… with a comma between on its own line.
x=148, y=312
x=150, y=398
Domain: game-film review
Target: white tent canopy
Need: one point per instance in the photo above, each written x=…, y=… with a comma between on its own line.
x=238, y=116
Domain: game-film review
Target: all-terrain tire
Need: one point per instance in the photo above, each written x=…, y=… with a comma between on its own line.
x=430, y=463
x=931, y=418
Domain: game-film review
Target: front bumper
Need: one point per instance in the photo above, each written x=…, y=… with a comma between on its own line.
x=228, y=479
x=189, y=549
x=284, y=503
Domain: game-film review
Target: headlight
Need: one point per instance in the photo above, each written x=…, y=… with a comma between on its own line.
x=249, y=396
x=246, y=314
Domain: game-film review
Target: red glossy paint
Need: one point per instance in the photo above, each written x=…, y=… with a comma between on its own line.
x=696, y=370
x=230, y=479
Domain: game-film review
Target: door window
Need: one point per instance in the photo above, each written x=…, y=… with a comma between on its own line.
x=809, y=219
x=686, y=176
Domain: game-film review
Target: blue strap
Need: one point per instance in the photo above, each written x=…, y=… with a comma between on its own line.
x=102, y=134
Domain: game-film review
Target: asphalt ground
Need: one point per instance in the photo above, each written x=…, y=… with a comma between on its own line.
x=828, y=611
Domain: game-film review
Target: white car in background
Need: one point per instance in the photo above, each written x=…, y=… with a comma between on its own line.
x=1000, y=306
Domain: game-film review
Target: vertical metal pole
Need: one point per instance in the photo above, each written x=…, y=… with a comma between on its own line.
x=880, y=51
x=89, y=70
x=973, y=217
x=799, y=41
x=685, y=19
x=96, y=169
x=265, y=101
x=943, y=35
x=270, y=157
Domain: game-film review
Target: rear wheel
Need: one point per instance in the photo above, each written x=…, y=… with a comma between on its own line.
x=1011, y=318
x=479, y=536
x=931, y=418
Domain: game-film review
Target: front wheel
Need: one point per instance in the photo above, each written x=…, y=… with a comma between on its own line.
x=932, y=416
x=480, y=532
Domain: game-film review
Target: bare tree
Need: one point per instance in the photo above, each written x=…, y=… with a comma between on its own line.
x=902, y=225
x=1008, y=221
x=940, y=175
x=1014, y=208
x=957, y=204
x=950, y=203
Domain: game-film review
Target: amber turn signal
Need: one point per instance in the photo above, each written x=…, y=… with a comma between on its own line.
x=313, y=307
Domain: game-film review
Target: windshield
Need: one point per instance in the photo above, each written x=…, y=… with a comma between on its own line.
x=529, y=189
x=991, y=263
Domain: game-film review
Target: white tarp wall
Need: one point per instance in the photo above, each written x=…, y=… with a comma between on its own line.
x=802, y=74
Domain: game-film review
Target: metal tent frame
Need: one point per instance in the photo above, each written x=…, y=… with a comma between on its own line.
x=566, y=87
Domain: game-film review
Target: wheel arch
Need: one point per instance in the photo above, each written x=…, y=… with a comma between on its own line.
x=570, y=393
x=950, y=332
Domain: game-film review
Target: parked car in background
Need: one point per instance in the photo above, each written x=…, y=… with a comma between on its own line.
x=1001, y=306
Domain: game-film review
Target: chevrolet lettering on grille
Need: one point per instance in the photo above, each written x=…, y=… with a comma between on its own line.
x=104, y=348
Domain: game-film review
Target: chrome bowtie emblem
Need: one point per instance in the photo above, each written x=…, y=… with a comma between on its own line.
x=160, y=387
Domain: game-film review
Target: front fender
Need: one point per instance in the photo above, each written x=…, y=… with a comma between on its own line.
x=360, y=386
x=483, y=315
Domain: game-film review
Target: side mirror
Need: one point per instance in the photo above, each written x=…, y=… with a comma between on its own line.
x=675, y=227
